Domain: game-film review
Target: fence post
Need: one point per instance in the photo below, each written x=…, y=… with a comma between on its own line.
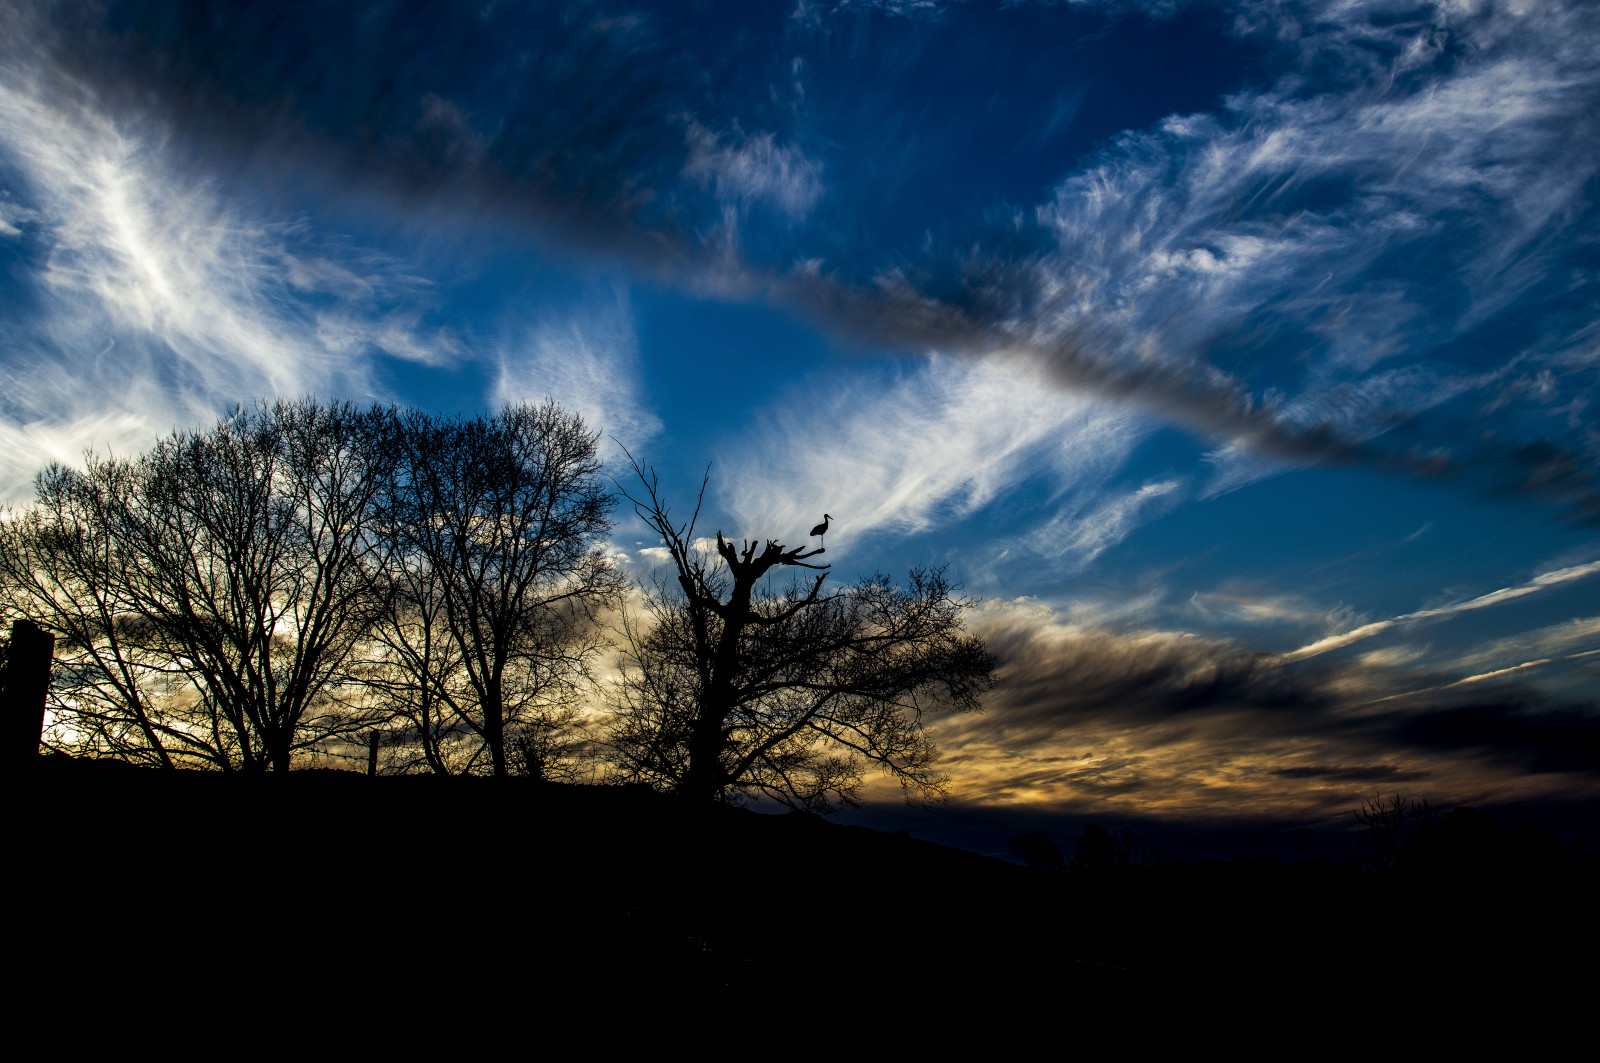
x=24, y=685
x=372, y=753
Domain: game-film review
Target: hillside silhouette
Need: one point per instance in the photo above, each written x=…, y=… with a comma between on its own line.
x=512, y=889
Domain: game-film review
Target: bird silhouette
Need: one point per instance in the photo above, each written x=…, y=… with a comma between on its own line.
x=821, y=530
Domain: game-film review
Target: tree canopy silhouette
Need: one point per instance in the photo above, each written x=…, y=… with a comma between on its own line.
x=731, y=687
x=213, y=590
x=496, y=583
x=243, y=594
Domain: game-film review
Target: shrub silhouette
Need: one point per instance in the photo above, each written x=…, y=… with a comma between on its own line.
x=1096, y=850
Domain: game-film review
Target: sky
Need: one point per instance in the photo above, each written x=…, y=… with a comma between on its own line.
x=1238, y=357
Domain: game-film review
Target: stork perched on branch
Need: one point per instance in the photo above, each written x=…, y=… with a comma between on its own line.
x=821, y=530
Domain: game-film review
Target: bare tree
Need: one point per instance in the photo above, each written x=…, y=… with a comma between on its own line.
x=732, y=687
x=213, y=592
x=497, y=584
x=1385, y=828
x=303, y=572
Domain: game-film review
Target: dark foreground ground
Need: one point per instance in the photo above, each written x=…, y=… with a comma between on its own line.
x=421, y=898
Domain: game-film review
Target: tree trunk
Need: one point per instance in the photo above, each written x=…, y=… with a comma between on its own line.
x=494, y=727
x=705, y=778
x=278, y=742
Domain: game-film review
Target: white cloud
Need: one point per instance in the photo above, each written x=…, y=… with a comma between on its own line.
x=1358, y=411
x=588, y=361
x=1541, y=582
x=1285, y=221
x=161, y=301
x=754, y=168
x=931, y=447
x=1552, y=641
x=1242, y=606
x=1090, y=524
x=1525, y=666
x=33, y=444
x=14, y=215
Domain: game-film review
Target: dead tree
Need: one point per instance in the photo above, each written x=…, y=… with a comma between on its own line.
x=732, y=687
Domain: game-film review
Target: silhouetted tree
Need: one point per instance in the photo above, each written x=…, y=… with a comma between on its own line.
x=302, y=572
x=496, y=584
x=1097, y=850
x=1467, y=843
x=731, y=687
x=213, y=592
x=1384, y=828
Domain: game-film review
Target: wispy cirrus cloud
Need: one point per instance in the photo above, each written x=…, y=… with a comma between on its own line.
x=1524, y=666
x=1250, y=272
x=1262, y=612
x=587, y=359
x=746, y=169
x=1541, y=582
x=1088, y=523
x=921, y=450
x=13, y=214
x=1324, y=269
x=1358, y=410
x=1577, y=635
x=156, y=302
x=1517, y=656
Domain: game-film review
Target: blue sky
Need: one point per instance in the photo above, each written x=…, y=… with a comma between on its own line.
x=1238, y=355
